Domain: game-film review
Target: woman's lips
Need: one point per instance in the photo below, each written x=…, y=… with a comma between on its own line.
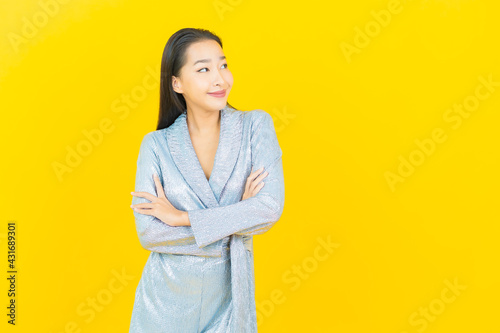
x=220, y=93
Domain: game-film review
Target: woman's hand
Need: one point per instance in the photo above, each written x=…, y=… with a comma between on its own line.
x=159, y=207
x=252, y=186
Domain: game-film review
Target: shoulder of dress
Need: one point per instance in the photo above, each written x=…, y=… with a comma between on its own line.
x=250, y=118
x=258, y=118
x=256, y=114
x=152, y=138
x=151, y=135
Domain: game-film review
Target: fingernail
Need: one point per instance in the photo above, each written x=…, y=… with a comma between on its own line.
x=132, y=192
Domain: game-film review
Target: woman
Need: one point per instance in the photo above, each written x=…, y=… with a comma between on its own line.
x=200, y=196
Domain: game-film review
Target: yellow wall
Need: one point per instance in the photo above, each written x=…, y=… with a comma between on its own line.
x=387, y=113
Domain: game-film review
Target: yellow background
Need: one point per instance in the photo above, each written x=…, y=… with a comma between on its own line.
x=343, y=122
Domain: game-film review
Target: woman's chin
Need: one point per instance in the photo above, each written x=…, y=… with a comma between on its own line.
x=218, y=105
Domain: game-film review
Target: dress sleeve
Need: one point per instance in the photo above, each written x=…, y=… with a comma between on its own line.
x=257, y=214
x=154, y=234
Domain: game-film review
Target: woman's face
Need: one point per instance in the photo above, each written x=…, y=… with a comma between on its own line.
x=204, y=72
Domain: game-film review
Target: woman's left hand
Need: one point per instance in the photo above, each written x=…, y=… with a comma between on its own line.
x=159, y=207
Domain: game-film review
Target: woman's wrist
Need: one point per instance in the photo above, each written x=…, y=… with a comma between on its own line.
x=185, y=219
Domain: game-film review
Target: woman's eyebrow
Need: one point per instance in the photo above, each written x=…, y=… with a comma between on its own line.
x=207, y=60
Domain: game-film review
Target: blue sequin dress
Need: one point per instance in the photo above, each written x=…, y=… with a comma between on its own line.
x=200, y=278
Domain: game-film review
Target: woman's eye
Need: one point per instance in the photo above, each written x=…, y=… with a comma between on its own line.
x=207, y=68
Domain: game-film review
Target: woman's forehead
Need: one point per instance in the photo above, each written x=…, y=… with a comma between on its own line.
x=204, y=51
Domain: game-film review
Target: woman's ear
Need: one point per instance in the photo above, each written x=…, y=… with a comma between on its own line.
x=176, y=85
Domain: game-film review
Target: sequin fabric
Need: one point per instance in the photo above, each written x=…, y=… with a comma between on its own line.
x=200, y=278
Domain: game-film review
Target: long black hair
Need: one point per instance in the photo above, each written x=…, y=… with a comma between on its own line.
x=172, y=104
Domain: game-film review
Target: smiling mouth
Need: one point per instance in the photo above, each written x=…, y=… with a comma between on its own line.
x=220, y=93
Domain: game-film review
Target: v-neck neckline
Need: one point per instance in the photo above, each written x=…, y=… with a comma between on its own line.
x=217, y=152
x=184, y=156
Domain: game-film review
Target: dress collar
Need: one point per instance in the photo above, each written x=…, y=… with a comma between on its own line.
x=184, y=156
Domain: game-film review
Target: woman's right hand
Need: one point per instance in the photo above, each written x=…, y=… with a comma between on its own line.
x=252, y=186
